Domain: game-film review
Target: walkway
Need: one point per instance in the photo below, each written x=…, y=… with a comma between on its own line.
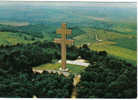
x=80, y=62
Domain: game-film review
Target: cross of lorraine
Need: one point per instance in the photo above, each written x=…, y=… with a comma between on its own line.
x=63, y=42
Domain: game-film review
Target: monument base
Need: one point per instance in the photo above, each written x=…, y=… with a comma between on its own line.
x=63, y=70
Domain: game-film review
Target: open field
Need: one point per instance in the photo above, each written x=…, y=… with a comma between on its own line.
x=10, y=38
x=120, y=45
x=89, y=24
x=90, y=35
x=15, y=23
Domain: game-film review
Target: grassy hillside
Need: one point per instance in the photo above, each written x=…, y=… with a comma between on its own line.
x=122, y=53
x=10, y=38
x=116, y=44
x=14, y=23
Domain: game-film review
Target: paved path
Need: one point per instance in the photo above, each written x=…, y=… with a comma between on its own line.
x=80, y=62
x=76, y=80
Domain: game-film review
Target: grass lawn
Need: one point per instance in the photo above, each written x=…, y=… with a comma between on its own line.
x=75, y=69
x=10, y=38
x=122, y=53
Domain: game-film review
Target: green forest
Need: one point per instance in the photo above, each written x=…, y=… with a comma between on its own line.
x=104, y=34
x=105, y=73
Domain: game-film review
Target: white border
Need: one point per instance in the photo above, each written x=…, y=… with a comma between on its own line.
x=58, y=99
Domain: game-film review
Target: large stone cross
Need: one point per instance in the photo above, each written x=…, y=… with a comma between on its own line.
x=63, y=41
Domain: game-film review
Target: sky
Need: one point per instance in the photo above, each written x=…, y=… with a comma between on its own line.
x=79, y=0
x=132, y=5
